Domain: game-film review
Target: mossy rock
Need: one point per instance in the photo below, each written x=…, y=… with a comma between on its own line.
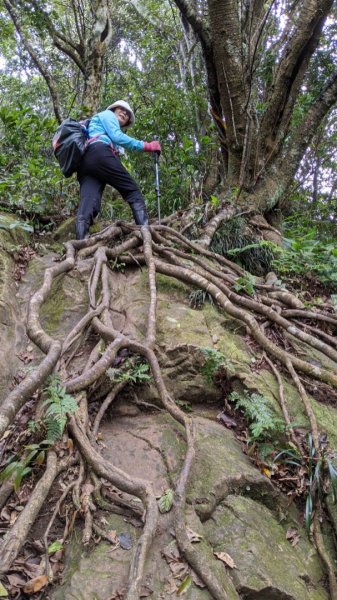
x=267, y=566
x=13, y=232
x=65, y=231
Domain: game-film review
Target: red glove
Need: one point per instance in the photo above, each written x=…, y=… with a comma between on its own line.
x=152, y=146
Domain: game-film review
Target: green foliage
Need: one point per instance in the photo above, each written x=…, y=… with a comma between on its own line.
x=213, y=361
x=165, y=502
x=30, y=179
x=184, y=405
x=245, y=284
x=57, y=404
x=130, y=372
x=238, y=242
x=185, y=585
x=15, y=225
x=321, y=474
x=55, y=547
x=307, y=255
x=263, y=423
x=19, y=467
x=197, y=298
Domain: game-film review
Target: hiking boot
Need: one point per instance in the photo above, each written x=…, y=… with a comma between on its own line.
x=140, y=216
x=82, y=229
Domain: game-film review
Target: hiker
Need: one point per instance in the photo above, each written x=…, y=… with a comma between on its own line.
x=101, y=165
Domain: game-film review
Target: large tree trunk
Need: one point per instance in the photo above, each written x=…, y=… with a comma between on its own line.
x=252, y=100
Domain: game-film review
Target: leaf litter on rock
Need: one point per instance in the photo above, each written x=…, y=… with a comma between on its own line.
x=293, y=536
x=35, y=585
x=226, y=558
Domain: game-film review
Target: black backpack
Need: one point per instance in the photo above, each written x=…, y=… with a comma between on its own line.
x=69, y=144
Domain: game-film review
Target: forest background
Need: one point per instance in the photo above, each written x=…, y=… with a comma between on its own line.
x=72, y=59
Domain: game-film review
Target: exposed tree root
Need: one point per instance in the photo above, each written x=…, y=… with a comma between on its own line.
x=17, y=536
x=162, y=250
x=319, y=541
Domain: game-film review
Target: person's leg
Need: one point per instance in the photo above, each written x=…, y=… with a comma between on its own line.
x=103, y=165
x=110, y=170
x=129, y=190
x=91, y=191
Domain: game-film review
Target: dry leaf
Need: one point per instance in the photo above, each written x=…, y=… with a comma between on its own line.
x=113, y=536
x=267, y=472
x=6, y=434
x=36, y=584
x=196, y=579
x=13, y=517
x=145, y=591
x=118, y=595
x=193, y=536
x=226, y=559
x=16, y=580
x=293, y=536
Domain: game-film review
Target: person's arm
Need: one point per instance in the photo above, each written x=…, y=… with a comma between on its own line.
x=111, y=125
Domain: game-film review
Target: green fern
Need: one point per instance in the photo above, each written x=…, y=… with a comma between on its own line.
x=130, y=372
x=262, y=421
x=214, y=361
x=58, y=403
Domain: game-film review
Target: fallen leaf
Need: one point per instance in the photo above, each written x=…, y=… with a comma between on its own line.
x=3, y=591
x=193, y=536
x=226, y=559
x=13, y=517
x=145, y=591
x=267, y=472
x=118, y=595
x=113, y=536
x=196, y=580
x=179, y=569
x=184, y=586
x=226, y=420
x=165, y=502
x=6, y=434
x=55, y=546
x=16, y=580
x=36, y=584
x=293, y=536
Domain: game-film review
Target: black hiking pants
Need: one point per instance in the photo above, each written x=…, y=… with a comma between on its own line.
x=101, y=165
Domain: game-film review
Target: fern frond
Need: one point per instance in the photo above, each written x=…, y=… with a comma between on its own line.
x=54, y=430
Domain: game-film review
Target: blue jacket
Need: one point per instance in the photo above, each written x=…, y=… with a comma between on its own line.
x=106, y=125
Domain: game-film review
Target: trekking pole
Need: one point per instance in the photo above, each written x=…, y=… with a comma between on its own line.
x=156, y=166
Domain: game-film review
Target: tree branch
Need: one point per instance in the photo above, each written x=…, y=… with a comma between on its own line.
x=304, y=133
x=40, y=66
x=292, y=68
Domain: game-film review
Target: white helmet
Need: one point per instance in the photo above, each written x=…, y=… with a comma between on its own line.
x=126, y=105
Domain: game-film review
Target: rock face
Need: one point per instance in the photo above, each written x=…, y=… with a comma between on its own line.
x=12, y=330
x=232, y=507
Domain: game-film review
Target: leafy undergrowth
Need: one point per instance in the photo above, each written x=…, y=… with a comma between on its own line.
x=303, y=476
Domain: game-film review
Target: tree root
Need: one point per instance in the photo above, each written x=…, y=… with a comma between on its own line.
x=163, y=250
x=16, y=537
x=319, y=541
